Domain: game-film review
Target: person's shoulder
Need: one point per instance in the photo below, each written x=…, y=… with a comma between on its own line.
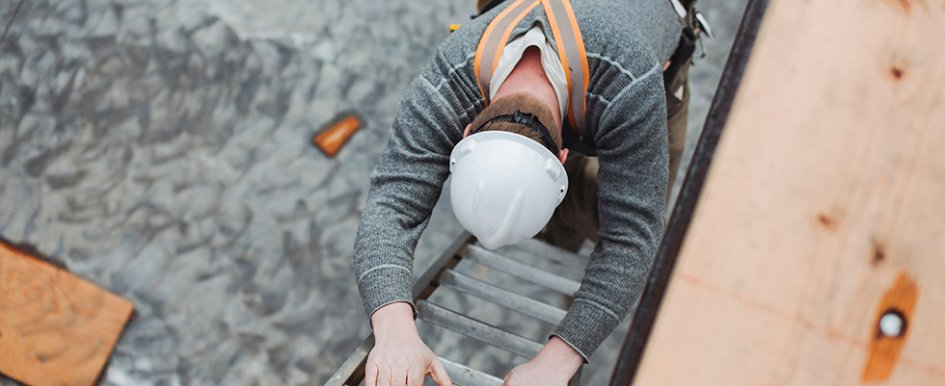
x=456, y=52
x=628, y=28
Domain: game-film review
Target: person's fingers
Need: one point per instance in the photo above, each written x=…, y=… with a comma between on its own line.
x=439, y=373
x=370, y=374
x=415, y=377
x=383, y=377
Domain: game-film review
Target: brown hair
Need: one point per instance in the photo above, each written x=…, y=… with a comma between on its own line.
x=481, y=4
x=509, y=105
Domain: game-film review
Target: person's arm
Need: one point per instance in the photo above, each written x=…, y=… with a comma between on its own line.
x=405, y=186
x=631, y=190
x=632, y=182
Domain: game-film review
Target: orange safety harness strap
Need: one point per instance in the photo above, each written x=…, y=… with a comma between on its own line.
x=494, y=39
x=568, y=41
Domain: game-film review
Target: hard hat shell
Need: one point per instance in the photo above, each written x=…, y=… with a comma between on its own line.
x=504, y=186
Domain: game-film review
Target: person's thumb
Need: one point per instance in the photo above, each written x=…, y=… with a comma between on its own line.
x=439, y=373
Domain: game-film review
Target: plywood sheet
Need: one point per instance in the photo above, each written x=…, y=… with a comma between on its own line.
x=824, y=207
x=55, y=328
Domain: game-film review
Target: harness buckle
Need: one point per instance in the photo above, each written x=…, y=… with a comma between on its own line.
x=702, y=24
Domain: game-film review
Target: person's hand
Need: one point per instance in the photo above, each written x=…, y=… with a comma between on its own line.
x=399, y=357
x=554, y=365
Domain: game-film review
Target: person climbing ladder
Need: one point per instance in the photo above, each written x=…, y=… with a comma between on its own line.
x=505, y=105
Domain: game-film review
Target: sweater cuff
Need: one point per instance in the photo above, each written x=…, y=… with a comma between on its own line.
x=384, y=285
x=585, y=327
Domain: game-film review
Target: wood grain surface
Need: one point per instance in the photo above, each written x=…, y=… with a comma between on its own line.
x=55, y=328
x=824, y=207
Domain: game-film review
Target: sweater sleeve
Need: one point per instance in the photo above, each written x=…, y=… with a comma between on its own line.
x=405, y=185
x=632, y=178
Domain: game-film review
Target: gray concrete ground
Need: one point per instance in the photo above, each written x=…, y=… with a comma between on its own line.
x=161, y=150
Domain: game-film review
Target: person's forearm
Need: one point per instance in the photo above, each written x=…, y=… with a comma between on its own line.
x=392, y=320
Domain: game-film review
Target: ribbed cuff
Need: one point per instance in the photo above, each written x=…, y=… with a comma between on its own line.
x=585, y=327
x=385, y=285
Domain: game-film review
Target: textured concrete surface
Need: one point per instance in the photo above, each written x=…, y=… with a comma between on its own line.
x=161, y=149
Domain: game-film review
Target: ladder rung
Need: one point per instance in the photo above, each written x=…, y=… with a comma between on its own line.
x=538, y=247
x=573, y=270
x=465, y=376
x=478, y=330
x=502, y=297
x=482, y=256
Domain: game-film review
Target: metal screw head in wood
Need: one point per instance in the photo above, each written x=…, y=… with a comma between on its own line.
x=891, y=324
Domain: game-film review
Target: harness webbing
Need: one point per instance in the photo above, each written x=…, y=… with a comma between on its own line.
x=568, y=41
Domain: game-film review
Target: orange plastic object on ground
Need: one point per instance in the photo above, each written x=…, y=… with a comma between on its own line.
x=334, y=135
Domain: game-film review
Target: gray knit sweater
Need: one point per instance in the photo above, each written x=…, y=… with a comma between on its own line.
x=626, y=42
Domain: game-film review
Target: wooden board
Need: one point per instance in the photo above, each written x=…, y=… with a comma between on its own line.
x=823, y=208
x=55, y=328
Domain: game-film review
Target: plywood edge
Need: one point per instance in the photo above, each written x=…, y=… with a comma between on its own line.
x=118, y=312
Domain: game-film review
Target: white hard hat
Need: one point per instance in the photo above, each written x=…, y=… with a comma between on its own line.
x=505, y=186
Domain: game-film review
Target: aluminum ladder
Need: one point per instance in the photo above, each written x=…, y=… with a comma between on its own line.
x=445, y=273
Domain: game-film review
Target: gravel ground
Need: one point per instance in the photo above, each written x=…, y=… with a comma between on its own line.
x=160, y=149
